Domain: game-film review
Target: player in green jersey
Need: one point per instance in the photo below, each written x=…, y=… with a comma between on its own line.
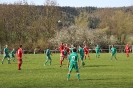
x=81, y=52
x=97, y=50
x=73, y=62
x=71, y=48
x=113, y=52
x=12, y=54
x=6, y=55
x=48, y=57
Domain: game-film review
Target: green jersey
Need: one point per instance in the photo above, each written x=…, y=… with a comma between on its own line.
x=73, y=58
x=97, y=48
x=12, y=52
x=113, y=50
x=48, y=52
x=6, y=51
x=81, y=51
x=71, y=49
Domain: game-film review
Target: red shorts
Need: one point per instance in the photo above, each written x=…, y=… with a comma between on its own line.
x=86, y=53
x=127, y=51
x=19, y=60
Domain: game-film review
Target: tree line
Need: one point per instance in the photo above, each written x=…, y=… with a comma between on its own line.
x=48, y=25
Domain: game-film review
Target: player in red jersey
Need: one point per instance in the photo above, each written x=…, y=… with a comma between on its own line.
x=127, y=50
x=86, y=51
x=61, y=53
x=19, y=56
x=67, y=49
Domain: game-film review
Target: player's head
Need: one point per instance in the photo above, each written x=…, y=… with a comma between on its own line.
x=80, y=45
x=20, y=46
x=6, y=46
x=112, y=45
x=62, y=43
x=74, y=49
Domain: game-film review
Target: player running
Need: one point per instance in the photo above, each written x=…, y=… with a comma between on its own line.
x=6, y=55
x=73, y=62
x=12, y=54
x=48, y=57
x=81, y=52
x=19, y=55
x=127, y=49
x=113, y=52
x=86, y=51
x=97, y=50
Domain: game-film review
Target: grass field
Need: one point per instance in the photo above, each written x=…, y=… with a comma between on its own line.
x=97, y=73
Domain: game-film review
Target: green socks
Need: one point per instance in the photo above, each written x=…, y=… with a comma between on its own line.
x=3, y=62
x=68, y=75
x=8, y=61
x=78, y=76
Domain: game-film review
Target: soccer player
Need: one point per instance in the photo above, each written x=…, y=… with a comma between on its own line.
x=12, y=54
x=6, y=55
x=67, y=49
x=73, y=62
x=97, y=50
x=81, y=52
x=127, y=49
x=19, y=56
x=48, y=57
x=86, y=51
x=113, y=52
x=61, y=53
x=72, y=47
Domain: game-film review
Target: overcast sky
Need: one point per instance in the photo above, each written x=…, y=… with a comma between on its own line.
x=80, y=3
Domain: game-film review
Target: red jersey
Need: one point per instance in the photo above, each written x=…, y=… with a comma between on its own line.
x=61, y=48
x=127, y=48
x=67, y=49
x=19, y=52
x=85, y=49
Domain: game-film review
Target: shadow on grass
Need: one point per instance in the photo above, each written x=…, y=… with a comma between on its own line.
x=97, y=65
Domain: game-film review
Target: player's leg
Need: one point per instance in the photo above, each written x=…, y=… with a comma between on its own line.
x=85, y=55
x=50, y=60
x=77, y=71
x=61, y=59
x=115, y=56
x=3, y=59
x=88, y=56
x=8, y=59
x=19, y=63
x=127, y=53
x=13, y=57
x=69, y=72
x=111, y=56
x=47, y=58
x=82, y=62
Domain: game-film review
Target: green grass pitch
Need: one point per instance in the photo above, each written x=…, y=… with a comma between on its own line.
x=97, y=73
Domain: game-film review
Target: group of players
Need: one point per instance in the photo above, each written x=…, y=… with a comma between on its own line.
x=12, y=55
x=70, y=53
x=66, y=52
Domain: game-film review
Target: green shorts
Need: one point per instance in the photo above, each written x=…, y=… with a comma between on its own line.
x=12, y=55
x=97, y=52
x=74, y=65
x=48, y=57
x=6, y=56
x=113, y=54
x=81, y=57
